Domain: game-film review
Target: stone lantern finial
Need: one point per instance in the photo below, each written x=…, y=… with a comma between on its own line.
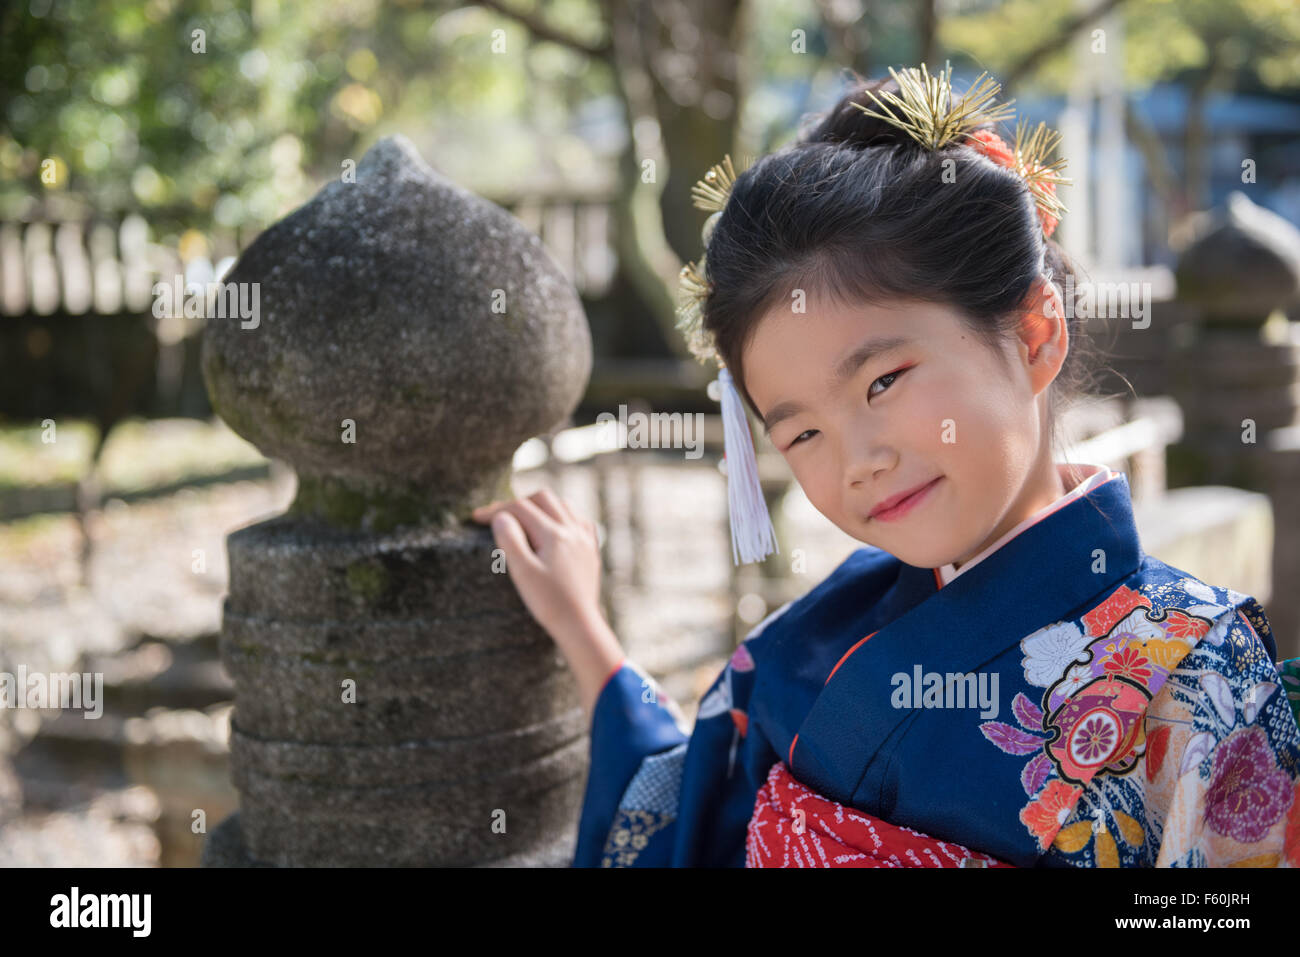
x=426, y=317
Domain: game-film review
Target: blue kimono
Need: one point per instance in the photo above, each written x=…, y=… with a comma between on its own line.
x=1066, y=700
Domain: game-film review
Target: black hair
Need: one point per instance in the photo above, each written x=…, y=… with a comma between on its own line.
x=856, y=210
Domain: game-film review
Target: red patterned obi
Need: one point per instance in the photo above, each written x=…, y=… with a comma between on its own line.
x=794, y=826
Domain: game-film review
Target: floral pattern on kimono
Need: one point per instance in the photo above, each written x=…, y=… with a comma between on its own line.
x=648, y=806
x=1163, y=737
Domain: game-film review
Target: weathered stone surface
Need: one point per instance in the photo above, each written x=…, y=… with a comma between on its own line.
x=443, y=822
x=1237, y=374
x=398, y=764
x=225, y=848
x=430, y=616
x=392, y=693
x=358, y=580
x=377, y=305
x=397, y=700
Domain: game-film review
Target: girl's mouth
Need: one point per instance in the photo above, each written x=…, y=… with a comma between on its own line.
x=897, y=511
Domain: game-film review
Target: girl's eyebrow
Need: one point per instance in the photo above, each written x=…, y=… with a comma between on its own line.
x=845, y=369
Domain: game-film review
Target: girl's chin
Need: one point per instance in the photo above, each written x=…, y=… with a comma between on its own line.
x=923, y=560
x=907, y=552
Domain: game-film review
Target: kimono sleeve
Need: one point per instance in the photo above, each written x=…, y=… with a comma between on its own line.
x=659, y=795
x=1222, y=767
x=638, y=737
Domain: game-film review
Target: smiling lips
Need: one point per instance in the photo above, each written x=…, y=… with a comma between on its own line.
x=899, y=505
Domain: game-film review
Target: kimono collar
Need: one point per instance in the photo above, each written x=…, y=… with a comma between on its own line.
x=853, y=733
x=1087, y=478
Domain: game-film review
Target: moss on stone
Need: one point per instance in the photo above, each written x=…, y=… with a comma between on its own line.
x=417, y=395
x=316, y=658
x=368, y=580
x=253, y=411
x=380, y=510
x=345, y=506
x=240, y=422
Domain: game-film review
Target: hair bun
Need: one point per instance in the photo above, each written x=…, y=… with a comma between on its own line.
x=849, y=126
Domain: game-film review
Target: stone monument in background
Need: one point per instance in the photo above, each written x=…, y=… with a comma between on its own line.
x=395, y=703
x=1237, y=378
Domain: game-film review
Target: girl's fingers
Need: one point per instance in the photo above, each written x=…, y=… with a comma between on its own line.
x=544, y=501
x=485, y=513
x=509, y=535
x=552, y=505
x=535, y=522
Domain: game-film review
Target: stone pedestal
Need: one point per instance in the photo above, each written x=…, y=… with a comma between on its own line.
x=395, y=702
x=1237, y=377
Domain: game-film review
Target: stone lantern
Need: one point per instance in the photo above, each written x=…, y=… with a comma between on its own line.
x=1237, y=377
x=395, y=703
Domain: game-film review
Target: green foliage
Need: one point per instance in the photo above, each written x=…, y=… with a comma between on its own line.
x=118, y=103
x=1163, y=40
x=112, y=101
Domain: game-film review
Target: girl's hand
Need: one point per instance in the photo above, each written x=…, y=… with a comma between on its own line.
x=553, y=557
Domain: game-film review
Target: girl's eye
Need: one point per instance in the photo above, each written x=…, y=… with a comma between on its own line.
x=891, y=376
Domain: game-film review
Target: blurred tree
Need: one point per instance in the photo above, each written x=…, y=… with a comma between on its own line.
x=222, y=114
x=1204, y=45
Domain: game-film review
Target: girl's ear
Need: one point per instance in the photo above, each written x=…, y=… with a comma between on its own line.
x=1052, y=305
x=1044, y=332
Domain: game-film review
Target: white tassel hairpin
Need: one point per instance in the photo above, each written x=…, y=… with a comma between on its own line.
x=752, y=536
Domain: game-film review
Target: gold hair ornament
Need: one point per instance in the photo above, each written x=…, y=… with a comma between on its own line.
x=933, y=117
x=710, y=194
x=930, y=114
x=1041, y=175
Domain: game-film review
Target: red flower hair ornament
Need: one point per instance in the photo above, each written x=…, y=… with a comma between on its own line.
x=1027, y=160
x=926, y=108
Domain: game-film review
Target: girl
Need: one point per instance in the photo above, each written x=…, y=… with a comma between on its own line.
x=1002, y=677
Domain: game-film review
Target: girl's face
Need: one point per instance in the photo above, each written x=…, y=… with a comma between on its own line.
x=871, y=402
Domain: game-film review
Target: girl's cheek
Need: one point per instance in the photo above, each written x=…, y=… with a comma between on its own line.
x=815, y=487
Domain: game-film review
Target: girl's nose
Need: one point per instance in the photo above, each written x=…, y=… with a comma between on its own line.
x=864, y=457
